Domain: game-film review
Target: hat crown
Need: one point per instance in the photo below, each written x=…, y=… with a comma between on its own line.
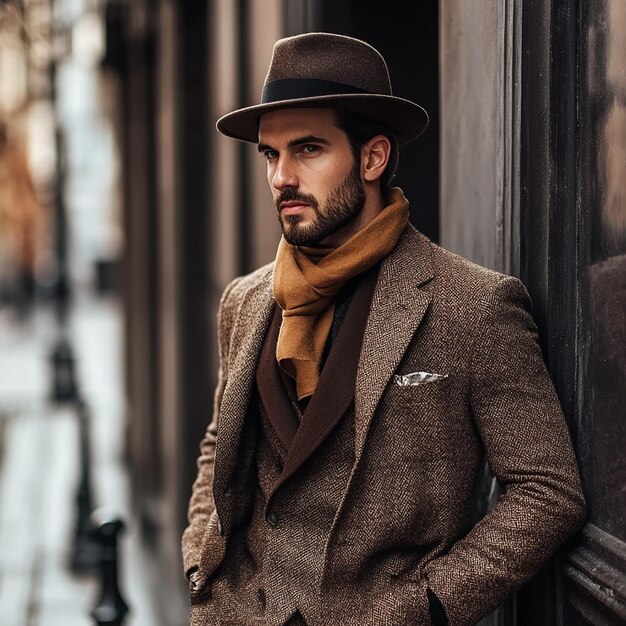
x=325, y=70
x=330, y=57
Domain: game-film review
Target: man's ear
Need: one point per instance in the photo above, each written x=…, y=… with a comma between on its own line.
x=375, y=157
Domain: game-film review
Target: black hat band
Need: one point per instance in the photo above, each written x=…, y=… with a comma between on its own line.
x=296, y=88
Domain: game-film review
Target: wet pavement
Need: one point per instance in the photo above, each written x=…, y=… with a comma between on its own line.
x=39, y=470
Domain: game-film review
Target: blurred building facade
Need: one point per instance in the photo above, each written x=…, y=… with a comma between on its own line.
x=522, y=170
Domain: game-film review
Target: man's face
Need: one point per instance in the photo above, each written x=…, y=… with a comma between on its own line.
x=315, y=181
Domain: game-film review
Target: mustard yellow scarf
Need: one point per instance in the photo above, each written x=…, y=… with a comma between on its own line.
x=305, y=285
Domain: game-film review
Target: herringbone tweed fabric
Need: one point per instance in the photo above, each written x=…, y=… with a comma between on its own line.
x=400, y=523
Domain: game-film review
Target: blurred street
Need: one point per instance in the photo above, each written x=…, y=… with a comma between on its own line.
x=39, y=469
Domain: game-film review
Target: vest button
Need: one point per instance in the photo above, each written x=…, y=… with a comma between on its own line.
x=272, y=518
x=220, y=528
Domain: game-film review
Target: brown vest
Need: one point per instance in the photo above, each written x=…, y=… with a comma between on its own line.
x=262, y=578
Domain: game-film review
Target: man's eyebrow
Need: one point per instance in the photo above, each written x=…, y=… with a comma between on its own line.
x=262, y=147
x=308, y=139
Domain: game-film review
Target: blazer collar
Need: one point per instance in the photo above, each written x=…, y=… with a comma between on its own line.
x=249, y=330
x=397, y=309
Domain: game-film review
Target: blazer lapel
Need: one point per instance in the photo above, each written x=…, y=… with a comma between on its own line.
x=249, y=330
x=335, y=389
x=398, y=307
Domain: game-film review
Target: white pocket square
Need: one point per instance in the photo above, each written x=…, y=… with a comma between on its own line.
x=417, y=378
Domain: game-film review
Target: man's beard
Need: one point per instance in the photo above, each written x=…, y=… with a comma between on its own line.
x=340, y=211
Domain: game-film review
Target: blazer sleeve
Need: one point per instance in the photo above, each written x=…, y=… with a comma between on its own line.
x=528, y=446
x=201, y=504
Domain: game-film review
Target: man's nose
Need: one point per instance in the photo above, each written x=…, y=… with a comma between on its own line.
x=284, y=174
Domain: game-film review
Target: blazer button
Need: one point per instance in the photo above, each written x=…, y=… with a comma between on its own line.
x=272, y=518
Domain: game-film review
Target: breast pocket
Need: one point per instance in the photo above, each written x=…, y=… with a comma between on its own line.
x=414, y=421
x=422, y=398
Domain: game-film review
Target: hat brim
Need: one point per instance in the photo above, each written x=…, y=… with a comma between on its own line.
x=405, y=118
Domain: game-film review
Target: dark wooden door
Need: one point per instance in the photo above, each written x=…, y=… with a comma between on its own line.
x=534, y=128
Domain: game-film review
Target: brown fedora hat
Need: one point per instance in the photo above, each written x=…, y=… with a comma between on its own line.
x=327, y=70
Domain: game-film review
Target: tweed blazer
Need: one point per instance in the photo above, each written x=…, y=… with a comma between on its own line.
x=402, y=522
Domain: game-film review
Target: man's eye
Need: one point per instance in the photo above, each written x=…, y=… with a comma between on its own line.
x=270, y=154
x=310, y=148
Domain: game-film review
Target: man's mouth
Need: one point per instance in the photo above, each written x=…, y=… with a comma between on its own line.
x=292, y=207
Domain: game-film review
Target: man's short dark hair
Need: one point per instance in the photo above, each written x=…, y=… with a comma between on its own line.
x=360, y=129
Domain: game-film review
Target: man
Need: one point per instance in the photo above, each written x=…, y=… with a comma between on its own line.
x=363, y=376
